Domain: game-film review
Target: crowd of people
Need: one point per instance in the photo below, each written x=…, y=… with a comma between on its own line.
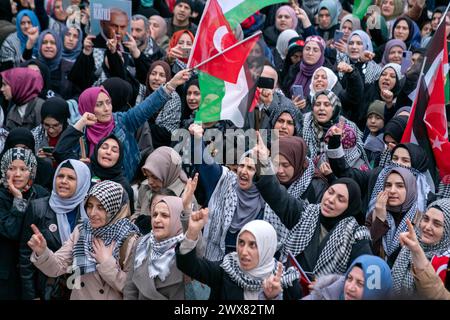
x=98, y=202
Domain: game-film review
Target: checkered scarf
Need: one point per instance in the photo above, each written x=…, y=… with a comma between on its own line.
x=118, y=231
x=162, y=254
x=110, y=195
x=336, y=253
x=222, y=204
x=245, y=281
x=391, y=240
x=317, y=146
x=403, y=280
x=371, y=71
x=26, y=156
x=296, y=190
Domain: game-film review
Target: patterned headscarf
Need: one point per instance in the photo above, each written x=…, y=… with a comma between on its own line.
x=401, y=271
x=113, y=198
x=26, y=156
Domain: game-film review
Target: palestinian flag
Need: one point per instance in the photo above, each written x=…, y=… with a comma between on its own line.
x=222, y=100
x=427, y=125
x=237, y=11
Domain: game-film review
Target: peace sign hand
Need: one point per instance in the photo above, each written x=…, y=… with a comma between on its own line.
x=272, y=285
x=37, y=241
x=409, y=238
x=188, y=193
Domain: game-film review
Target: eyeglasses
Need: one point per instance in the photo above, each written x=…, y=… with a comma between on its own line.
x=52, y=126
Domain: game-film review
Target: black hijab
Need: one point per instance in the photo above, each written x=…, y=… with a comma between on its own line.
x=5, y=10
x=395, y=127
x=20, y=136
x=57, y=108
x=115, y=173
x=419, y=158
x=45, y=72
x=121, y=93
x=354, y=204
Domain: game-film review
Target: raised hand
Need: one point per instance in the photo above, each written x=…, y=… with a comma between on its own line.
x=196, y=130
x=111, y=44
x=387, y=96
x=341, y=46
x=89, y=119
x=197, y=221
x=14, y=191
x=175, y=53
x=299, y=103
x=325, y=169
x=380, y=206
x=367, y=56
x=266, y=96
x=37, y=241
x=188, y=193
x=32, y=34
x=88, y=45
x=132, y=46
x=344, y=67
x=272, y=285
x=180, y=78
x=260, y=150
x=409, y=238
x=101, y=251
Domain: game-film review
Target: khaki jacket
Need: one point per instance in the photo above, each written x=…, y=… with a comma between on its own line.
x=429, y=285
x=106, y=283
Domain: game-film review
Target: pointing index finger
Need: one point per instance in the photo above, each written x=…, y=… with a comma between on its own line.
x=35, y=230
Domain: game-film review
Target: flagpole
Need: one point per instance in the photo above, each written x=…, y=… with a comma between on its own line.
x=227, y=49
x=445, y=14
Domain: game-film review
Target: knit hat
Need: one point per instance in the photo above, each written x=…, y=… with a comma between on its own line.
x=188, y=2
x=377, y=107
x=295, y=44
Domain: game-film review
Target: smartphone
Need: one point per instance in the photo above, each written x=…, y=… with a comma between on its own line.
x=406, y=61
x=265, y=83
x=338, y=35
x=48, y=149
x=186, y=52
x=297, y=91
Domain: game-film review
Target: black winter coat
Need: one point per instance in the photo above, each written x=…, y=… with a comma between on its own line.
x=11, y=222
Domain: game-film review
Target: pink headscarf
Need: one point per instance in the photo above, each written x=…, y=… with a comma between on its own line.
x=25, y=83
x=291, y=12
x=86, y=103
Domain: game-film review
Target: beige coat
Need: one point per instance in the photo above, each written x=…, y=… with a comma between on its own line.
x=429, y=285
x=140, y=286
x=106, y=283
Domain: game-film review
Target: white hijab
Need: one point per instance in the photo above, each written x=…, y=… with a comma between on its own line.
x=283, y=41
x=331, y=77
x=266, y=241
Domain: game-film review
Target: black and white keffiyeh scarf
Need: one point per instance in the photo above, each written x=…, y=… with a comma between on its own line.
x=391, y=240
x=118, y=231
x=162, y=254
x=334, y=256
x=403, y=280
x=296, y=189
x=245, y=281
x=314, y=140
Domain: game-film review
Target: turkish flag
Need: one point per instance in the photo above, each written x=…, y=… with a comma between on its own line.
x=216, y=50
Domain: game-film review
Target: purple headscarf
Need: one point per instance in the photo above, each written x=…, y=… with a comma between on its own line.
x=306, y=70
x=291, y=12
x=86, y=103
x=25, y=83
x=389, y=45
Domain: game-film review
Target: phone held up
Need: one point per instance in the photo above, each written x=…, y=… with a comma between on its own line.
x=265, y=83
x=297, y=91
